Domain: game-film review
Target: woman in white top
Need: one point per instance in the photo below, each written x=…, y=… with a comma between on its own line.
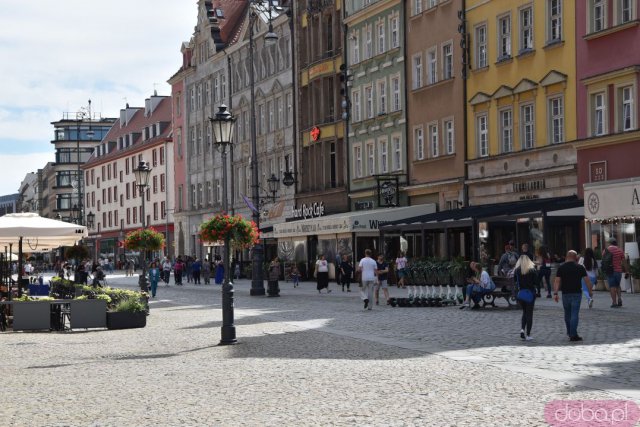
x=322, y=274
x=401, y=269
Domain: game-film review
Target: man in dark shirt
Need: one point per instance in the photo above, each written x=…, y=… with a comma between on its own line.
x=569, y=280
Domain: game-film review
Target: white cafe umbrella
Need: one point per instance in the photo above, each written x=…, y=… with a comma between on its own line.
x=37, y=233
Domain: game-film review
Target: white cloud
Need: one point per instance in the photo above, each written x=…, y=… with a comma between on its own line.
x=14, y=167
x=58, y=54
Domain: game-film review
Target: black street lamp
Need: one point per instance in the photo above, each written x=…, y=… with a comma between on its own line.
x=270, y=38
x=142, y=173
x=222, y=125
x=274, y=186
x=91, y=218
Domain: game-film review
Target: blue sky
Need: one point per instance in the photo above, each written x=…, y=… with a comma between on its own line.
x=56, y=55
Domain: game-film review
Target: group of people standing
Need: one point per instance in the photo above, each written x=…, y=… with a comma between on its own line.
x=195, y=271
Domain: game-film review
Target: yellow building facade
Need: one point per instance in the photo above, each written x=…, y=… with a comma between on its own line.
x=521, y=99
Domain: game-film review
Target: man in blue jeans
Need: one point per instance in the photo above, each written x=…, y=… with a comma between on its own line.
x=569, y=280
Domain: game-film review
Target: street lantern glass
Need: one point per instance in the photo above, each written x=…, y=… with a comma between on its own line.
x=271, y=38
x=91, y=217
x=274, y=183
x=222, y=125
x=142, y=173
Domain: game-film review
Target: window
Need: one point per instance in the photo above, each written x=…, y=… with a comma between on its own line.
x=526, y=29
x=199, y=96
x=434, y=141
x=261, y=123
x=481, y=46
x=357, y=159
x=556, y=120
x=207, y=93
x=179, y=141
x=371, y=159
x=417, y=7
x=128, y=216
x=368, y=99
x=417, y=71
x=554, y=21
x=162, y=182
x=209, y=193
x=154, y=157
x=180, y=198
x=527, y=129
x=432, y=3
x=382, y=97
x=395, y=89
x=447, y=59
x=625, y=11
x=381, y=38
x=395, y=37
x=432, y=72
x=504, y=37
x=599, y=109
x=418, y=139
x=218, y=196
x=482, y=135
x=397, y=153
x=357, y=108
x=135, y=214
x=193, y=196
x=155, y=211
x=279, y=113
x=192, y=105
x=270, y=112
x=627, y=112
x=161, y=158
x=355, y=48
x=289, y=116
x=200, y=195
x=383, y=151
x=449, y=137
x=506, y=130
x=223, y=87
x=598, y=15
x=163, y=210
x=368, y=47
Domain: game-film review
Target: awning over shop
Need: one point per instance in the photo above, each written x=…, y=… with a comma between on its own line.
x=612, y=200
x=348, y=222
x=564, y=206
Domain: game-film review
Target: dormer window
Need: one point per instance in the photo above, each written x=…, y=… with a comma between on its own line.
x=219, y=13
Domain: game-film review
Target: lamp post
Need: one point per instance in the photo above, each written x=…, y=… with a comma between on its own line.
x=257, y=268
x=222, y=125
x=142, y=173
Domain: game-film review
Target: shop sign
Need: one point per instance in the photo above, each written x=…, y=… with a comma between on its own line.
x=598, y=171
x=363, y=205
x=313, y=210
x=610, y=201
x=388, y=191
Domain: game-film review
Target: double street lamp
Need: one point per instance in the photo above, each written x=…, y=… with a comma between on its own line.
x=222, y=125
x=142, y=173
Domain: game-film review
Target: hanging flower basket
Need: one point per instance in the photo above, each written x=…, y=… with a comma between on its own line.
x=241, y=232
x=144, y=239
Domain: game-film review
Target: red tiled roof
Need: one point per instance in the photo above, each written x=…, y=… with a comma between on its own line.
x=234, y=13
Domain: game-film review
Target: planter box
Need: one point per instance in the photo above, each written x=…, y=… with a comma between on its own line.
x=31, y=315
x=126, y=320
x=91, y=313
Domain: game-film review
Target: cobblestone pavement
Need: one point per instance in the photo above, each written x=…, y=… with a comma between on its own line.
x=309, y=359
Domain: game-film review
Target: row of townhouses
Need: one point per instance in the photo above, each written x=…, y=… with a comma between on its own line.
x=438, y=127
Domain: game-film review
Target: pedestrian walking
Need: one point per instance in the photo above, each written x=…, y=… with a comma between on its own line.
x=189, y=269
x=544, y=272
x=166, y=271
x=295, y=276
x=206, y=272
x=382, y=271
x=196, y=268
x=154, y=278
x=236, y=271
x=322, y=274
x=588, y=261
x=178, y=268
x=219, y=270
x=367, y=268
x=130, y=267
x=346, y=272
x=613, y=265
x=401, y=269
x=569, y=280
x=526, y=278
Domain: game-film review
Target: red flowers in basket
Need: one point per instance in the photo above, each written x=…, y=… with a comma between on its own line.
x=144, y=238
x=241, y=232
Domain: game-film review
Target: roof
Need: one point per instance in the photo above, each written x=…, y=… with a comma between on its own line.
x=162, y=113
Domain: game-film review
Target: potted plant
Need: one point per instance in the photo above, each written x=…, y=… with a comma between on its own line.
x=30, y=314
x=128, y=313
x=89, y=311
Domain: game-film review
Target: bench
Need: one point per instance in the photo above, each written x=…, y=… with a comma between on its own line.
x=504, y=290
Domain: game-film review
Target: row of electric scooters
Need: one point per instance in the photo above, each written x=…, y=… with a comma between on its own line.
x=429, y=296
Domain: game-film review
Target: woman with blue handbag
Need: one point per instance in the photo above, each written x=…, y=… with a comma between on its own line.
x=526, y=280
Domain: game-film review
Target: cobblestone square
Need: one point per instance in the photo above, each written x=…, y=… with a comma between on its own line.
x=309, y=359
